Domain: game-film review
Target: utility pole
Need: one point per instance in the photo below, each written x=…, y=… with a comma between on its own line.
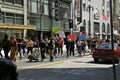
x=50, y=13
x=89, y=27
x=112, y=41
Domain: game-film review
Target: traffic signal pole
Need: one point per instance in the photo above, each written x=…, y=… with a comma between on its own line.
x=72, y=16
x=112, y=41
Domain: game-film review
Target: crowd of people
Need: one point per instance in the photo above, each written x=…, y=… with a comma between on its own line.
x=25, y=47
x=51, y=47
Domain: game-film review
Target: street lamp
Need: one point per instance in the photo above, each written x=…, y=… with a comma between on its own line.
x=89, y=24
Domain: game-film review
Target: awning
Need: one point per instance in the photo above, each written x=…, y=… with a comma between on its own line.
x=10, y=26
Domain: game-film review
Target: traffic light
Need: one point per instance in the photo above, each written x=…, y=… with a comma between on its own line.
x=56, y=10
x=70, y=23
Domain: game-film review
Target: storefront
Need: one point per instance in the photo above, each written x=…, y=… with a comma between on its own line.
x=17, y=30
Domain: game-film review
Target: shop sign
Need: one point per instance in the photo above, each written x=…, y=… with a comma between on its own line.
x=96, y=14
x=105, y=17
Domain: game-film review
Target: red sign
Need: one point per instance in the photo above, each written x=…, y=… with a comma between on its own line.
x=72, y=36
x=105, y=17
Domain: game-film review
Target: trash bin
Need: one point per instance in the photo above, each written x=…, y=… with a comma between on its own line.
x=8, y=70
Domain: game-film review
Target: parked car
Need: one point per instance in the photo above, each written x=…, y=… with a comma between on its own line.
x=104, y=51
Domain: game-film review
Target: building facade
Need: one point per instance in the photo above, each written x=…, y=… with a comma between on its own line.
x=12, y=20
x=31, y=18
x=41, y=13
x=98, y=13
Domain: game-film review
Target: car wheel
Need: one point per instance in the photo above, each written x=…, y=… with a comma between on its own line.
x=96, y=60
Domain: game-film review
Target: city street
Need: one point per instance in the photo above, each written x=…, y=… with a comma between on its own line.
x=73, y=68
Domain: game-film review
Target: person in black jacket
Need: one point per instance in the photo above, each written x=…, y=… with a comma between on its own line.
x=68, y=47
x=72, y=46
x=6, y=46
x=42, y=48
x=1, y=48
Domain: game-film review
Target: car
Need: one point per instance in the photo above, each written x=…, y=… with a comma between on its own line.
x=103, y=51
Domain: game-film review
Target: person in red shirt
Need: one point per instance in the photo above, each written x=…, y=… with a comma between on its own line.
x=60, y=45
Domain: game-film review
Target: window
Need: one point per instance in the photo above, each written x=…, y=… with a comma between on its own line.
x=46, y=9
x=108, y=28
x=103, y=12
x=34, y=7
x=19, y=19
x=108, y=4
x=108, y=13
x=103, y=28
x=10, y=1
x=84, y=7
x=107, y=46
x=103, y=2
x=2, y=17
x=20, y=2
x=9, y=18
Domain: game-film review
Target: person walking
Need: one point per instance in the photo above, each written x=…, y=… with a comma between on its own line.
x=24, y=47
x=72, y=46
x=19, y=43
x=14, y=48
x=6, y=46
x=1, y=48
x=93, y=44
x=60, y=45
x=42, y=49
x=46, y=45
x=30, y=44
x=68, y=47
x=51, y=46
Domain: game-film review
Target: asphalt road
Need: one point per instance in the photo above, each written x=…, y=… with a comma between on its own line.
x=76, y=68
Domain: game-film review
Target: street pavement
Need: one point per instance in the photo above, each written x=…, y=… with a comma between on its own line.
x=74, y=68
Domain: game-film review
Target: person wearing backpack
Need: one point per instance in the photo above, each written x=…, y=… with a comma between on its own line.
x=6, y=46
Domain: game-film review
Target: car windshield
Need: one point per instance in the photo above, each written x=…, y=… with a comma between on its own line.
x=106, y=45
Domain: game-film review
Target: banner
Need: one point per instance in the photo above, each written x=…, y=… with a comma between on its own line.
x=61, y=34
x=72, y=36
x=55, y=30
x=82, y=36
